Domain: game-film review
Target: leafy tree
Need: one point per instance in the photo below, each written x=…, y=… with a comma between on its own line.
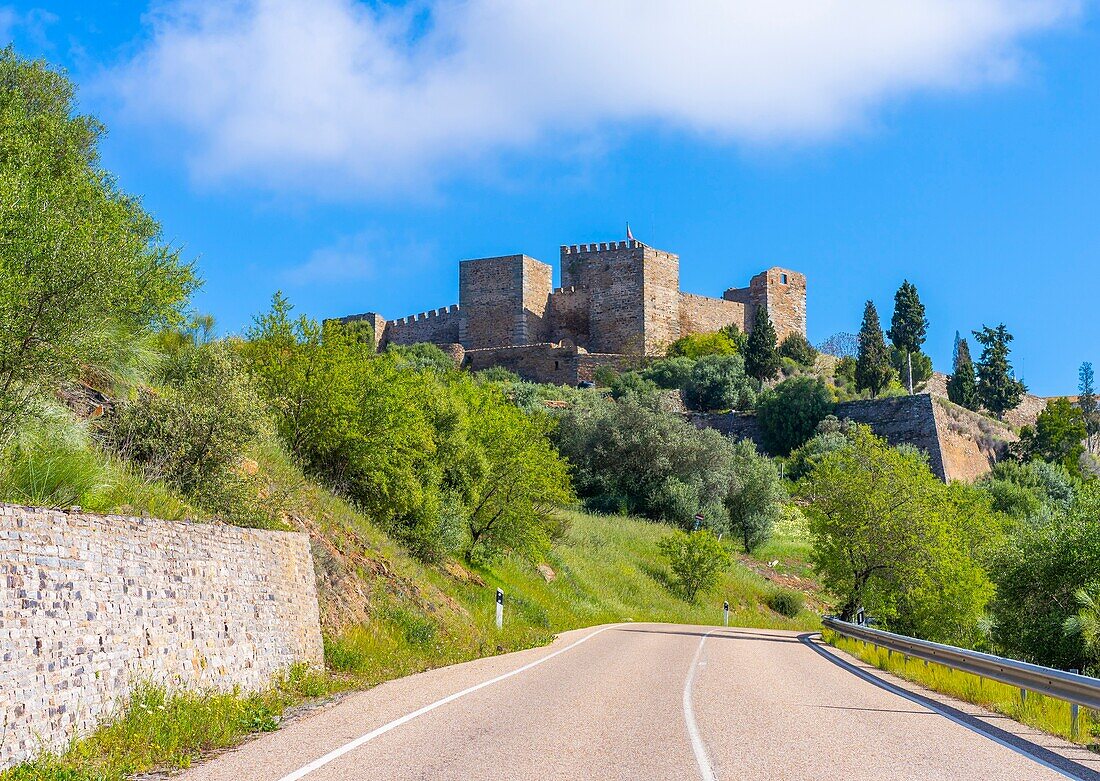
x=697, y=559
x=830, y=435
x=1056, y=437
x=873, y=370
x=1086, y=402
x=699, y=345
x=84, y=273
x=755, y=495
x=908, y=326
x=761, y=355
x=962, y=386
x=498, y=374
x=670, y=373
x=998, y=390
x=890, y=537
x=914, y=364
x=718, y=382
x=632, y=384
x=422, y=355
x=842, y=345
x=1086, y=626
x=789, y=413
x=739, y=338
x=796, y=347
x=1023, y=489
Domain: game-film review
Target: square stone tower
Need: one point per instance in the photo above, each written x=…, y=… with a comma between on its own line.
x=782, y=292
x=632, y=292
x=503, y=301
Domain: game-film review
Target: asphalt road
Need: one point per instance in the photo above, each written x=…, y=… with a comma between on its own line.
x=650, y=701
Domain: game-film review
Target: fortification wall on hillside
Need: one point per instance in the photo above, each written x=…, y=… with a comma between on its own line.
x=439, y=326
x=92, y=605
x=702, y=314
x=551, y=363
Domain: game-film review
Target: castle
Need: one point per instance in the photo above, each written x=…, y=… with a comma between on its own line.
x=619, y=301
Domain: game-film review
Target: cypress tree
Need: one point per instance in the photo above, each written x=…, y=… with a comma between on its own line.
x=962, y=386
x=908, y=326
x=998, y=389
x=1086, y=402
x=761, y=356
x=873, y=371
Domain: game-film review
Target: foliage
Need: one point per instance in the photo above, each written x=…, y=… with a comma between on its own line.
x=755, y=495
x=83, y=271
x=1021, y=490
x=1087, y=403
x=632, y=383
x=670, y=373
x=498, y=374
x=798, y=348
x=739, y=338
x=889, y=537
x=842, y=345
x=422, y=355
x=699, y=345
x=718, y=382
x=873, y=370
x=789, y=413
x=908, y=327
x=697, y=559
x=962, y=386
x=1086, y=626
x=761, y=355
x=1056, y=437
x=604, y=376
x=786, y=602
x=998, y=389
x=915, y=361
x=830, y=435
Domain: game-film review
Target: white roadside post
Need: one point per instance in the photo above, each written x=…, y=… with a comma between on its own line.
x=726, y=613
x=500, y=608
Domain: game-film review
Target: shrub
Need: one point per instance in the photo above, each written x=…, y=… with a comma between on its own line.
x=670, y=373
x=632, y=384
x=786, y=603
x=422, y=355
x=498, y=374
x=755, y=495
x=697, y=560
x=922, y=366
x=790, y=412
x=700, y=345
x=830, y=435
x=796, y=347
x=719, y=382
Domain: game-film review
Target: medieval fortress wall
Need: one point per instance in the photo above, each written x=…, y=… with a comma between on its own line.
x=618, y=300
x=91, y=606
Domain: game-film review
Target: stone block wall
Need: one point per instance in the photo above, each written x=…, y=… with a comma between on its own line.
x=439, y=326
x=569, y=316
x=783, y=292
x=92, y=605
x=503, y=301
x=612, y=274
x=550, y=363
x=701, y=314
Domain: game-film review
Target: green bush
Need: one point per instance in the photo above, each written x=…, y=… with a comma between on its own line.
x=786, y=603
x=498, y=374
x=697, y=560
x=790, y=412
x=700, y=345
x=755, y=495
x=632, y=384
x=796, y=347
x=669, y=373
x=719, y=382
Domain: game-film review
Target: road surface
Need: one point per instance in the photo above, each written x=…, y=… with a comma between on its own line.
x=650, y=701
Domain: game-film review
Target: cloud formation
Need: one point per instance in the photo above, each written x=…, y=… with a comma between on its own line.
x=358, y=257
x=337, y=94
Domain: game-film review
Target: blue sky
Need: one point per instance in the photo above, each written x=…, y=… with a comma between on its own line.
x=350, y=154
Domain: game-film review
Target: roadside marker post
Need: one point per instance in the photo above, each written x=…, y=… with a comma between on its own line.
x=500, y=609
x=698, y=521
x=726, y=613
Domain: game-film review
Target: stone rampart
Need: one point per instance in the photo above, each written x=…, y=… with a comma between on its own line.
x=92, y=605
x=439, y=326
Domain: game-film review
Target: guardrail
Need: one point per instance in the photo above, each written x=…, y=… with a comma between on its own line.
x=1069, y=686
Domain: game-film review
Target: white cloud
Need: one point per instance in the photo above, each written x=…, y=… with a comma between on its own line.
x=323, y=95
x=359, y=257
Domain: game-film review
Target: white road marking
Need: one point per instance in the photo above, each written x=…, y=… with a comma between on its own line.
x=697, y=745
x=359, y=741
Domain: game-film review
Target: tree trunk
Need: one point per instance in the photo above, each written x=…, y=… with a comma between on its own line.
x=909, y=361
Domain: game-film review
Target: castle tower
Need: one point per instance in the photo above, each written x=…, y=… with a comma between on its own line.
x=782, y=292
x=632, y=292
x=503, y=301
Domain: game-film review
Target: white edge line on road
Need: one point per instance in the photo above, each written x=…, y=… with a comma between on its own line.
x=374, y=733
x=924, y=703
x=697, y=745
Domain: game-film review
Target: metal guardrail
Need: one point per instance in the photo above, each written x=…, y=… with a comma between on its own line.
x=1071, y=687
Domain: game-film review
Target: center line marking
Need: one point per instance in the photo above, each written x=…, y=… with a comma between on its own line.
x=705, y=770
x=374, y=733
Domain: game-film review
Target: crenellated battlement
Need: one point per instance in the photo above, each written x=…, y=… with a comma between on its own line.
x=564, y=290
x=602, y=246
x=430, y=314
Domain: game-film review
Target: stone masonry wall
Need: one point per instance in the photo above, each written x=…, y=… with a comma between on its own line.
x=551, y=363
x=612, y=276
x=503, y=301
x=700, y=314
x=91, y=605
x=439, y=326
x=661, y=297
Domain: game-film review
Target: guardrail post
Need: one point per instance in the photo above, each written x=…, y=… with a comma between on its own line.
x=500, y=608
x=1074, y=716
x=726, y=613
x=1023, y=696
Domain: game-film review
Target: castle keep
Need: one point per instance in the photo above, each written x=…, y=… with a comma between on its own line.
x=619, y=301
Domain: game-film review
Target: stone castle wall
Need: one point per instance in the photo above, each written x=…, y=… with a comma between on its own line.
x=701, y=314
x=551, y=363
x=504, y=301
x=439, y=326
x=92, y=605
x=613, y=278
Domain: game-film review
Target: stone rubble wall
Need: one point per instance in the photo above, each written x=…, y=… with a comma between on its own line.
x=91, y=606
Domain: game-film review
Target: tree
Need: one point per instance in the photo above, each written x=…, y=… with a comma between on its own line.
x=889, y=537
x=796, y=347
x=670, y=373
x=632, y=384
x=873, y=370
x=697, y=559
x=998, y=389
x=962, y=386
x=908, y=325
x=1086, y=626
x=1056, y=437
x=1086, y=402
x=698, y=345
x=913, y=365
x=761, y=356
x=84, y=272
x=789, y=413
x=755, y=495
x=739, y=338
x=718, y=382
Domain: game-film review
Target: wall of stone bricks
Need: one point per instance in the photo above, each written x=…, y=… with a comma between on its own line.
x=550, y=363
x=613, y=276
x=569, y=316
x=701, y=314
x=439, y=326
x=92, y=605
x=503, y=301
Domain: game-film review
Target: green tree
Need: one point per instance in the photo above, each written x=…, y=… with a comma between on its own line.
x=718, y=382
x=790, y=412
x=1056, y=437
x=798, y=348
x=697, y=560
x=873, y=370
x=422, y=355
x=998, y=390
x=699, y=345
x=670, y=373
x=84, y=273
x=889, y=537
x=739, y=338
x=908, y=326
x=755, y=495
x=632, y=383
x=1086, y=626
x=1086, y=402
x=761, y=356
x=962, y=386
x=914, y=364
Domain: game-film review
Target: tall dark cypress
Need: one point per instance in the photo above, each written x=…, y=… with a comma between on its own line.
x=908, y=326
x=962, y=386
x=761, y=355
x=873, y=370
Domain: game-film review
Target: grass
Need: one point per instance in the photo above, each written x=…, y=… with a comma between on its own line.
x=1044, y=713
